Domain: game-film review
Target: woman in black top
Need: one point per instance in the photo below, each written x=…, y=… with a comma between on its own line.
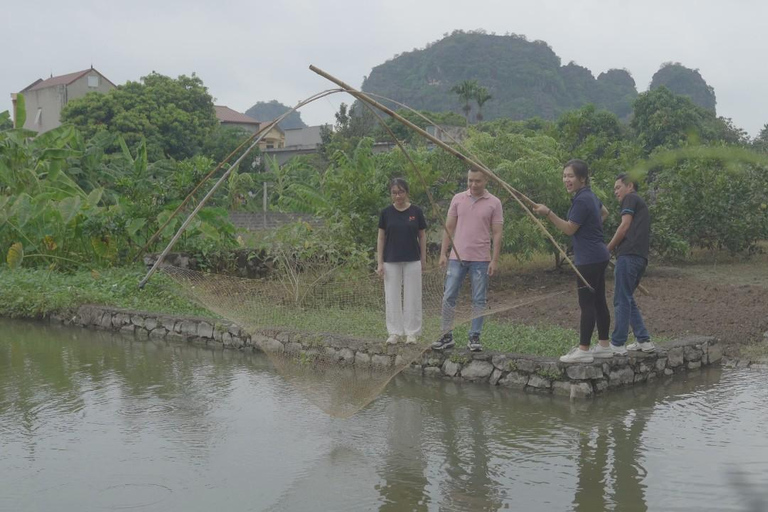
x=401, y=256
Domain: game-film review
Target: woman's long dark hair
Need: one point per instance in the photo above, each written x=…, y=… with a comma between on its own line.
x=580, y=169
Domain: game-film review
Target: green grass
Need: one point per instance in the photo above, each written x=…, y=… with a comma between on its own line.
x=543, y=340
x=540, y=340
x=27, y=293
x=756, y=352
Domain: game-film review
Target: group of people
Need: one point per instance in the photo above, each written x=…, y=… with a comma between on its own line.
x=471, y=246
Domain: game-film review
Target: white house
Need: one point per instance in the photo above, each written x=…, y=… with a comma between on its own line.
x=45, y=98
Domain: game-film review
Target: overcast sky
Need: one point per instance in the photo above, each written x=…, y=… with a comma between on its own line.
x=247, y=51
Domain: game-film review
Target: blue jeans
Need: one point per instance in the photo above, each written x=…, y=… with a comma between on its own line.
x=629, y=270
x=478, y=278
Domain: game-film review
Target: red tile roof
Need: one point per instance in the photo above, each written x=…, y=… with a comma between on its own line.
x=227, y=115
x=60, y=80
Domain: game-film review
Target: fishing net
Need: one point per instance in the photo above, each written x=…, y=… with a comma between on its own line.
x=322, y=325
x=324, y=328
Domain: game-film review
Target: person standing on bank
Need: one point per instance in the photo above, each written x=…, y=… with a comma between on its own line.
x=631, y=243
x=475, y=217
x=401, y=256
x=584, y=225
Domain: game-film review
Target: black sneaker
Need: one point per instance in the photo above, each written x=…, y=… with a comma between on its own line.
x=474, y=343
x=445, y=342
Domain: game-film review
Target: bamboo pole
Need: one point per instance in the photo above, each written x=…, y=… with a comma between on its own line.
x=224, y=176
x=517, y=195
x=197, y=187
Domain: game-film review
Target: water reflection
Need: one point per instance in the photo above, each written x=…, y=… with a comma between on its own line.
x=92, y=421
x=610, y=466
x=404, y=465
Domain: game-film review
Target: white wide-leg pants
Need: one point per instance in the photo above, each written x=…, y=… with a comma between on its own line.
x=402, y=292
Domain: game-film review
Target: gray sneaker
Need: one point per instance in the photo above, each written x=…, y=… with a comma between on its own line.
x=619, y=350
x=601, y=352
x=474, y=343
x=576, y=355
x=445, y=342
x=646, y=346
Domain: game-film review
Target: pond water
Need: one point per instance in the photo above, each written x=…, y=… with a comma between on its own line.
x=95, y=421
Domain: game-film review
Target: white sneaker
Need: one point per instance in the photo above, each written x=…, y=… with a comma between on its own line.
x=601, y=352
x=576, y=355
x=393, y=339
x=646, y=347
x=619, y=350
x=411, y=339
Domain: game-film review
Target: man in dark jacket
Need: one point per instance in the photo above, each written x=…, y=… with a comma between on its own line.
x=631, y=243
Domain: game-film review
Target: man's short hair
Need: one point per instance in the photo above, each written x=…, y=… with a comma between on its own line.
x=627, y=179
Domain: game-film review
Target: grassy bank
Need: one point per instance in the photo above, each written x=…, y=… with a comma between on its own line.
x=545, y=340
x=37, y=294
x=26, y=293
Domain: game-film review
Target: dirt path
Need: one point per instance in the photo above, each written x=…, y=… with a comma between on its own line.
x=726, y=301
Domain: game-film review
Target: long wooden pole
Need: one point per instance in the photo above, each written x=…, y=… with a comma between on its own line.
x=208, y=176
x=224, y=176
x=518, y=196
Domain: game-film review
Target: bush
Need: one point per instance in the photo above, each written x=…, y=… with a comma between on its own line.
x=710, y=202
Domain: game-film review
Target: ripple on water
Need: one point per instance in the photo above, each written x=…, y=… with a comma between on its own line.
x=131, y=496
x=704, y=412
x=138, y=408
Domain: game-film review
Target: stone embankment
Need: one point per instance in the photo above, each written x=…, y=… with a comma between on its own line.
x=524, y=372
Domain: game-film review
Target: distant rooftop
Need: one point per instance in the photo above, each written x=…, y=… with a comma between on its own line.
x=226, y=115
x=60, y=80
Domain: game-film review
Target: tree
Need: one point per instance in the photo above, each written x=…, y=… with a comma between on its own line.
x=466, y=93
x=175, y=116
x=713, y=201
x=353, y=123
x=405, y=134
x=576, y=126
x=761, y=141
x=5, y=121
x=662, y=118
x=481, y=98
x=224, y=140
x=598, y=137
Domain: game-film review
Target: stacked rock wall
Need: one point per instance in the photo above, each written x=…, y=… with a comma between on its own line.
x=524, y=372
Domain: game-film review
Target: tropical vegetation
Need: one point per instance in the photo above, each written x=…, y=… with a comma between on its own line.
x=85, y=198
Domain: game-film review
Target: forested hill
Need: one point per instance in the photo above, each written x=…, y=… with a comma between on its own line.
x=267, y=111
x=525, y=78
x=685, y=82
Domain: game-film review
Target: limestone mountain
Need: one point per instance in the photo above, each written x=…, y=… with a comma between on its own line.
x=525, y=78
x=267, y=111
x=685, y=82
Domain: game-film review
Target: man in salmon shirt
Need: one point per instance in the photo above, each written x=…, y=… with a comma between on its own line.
x=475, y=218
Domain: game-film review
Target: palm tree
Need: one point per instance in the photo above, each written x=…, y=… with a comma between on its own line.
x=466, y=92
x=481, y=96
